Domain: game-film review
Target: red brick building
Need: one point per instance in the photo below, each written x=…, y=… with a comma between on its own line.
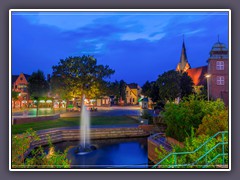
x=19, y=84
x=217, y=69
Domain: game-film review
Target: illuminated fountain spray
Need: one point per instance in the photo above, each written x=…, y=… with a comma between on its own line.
x=84, y=146
x=85, y=126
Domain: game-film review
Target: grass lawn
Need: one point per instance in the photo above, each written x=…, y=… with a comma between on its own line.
x=73, y=121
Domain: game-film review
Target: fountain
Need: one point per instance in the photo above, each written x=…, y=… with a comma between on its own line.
x=85, y=146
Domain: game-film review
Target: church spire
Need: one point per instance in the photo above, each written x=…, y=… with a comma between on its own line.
x=183, y=58
x=183, y=65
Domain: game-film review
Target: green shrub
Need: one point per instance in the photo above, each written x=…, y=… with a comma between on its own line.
x=188, y=113
x=38, y=159
x=191, y=144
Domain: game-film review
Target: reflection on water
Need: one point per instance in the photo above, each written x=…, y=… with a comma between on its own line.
x=41, y=112
x=111, y=153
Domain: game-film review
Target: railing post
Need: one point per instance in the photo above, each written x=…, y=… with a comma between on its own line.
x=175, y=160
x=223, y=148
x=206, y=154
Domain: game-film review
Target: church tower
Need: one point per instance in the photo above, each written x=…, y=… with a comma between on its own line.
x=183, y=65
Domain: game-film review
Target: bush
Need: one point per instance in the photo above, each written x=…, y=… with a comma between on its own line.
x=38, y=158
x=213, y=123
x=188, y=113
x=191, y=144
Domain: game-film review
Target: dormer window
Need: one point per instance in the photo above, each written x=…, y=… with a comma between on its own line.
x=220, y=65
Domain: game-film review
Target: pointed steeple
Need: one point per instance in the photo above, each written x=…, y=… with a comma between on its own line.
x=183, y=58
x=183, y=65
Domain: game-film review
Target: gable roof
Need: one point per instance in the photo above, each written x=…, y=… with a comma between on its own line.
x=15, y=77
x=26, y=76
x=133, y=86
x=198, y=75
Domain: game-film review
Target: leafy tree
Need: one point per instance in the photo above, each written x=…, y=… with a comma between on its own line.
x=186, y=85
x=122, y=89
x=14, y=97
x=37, y=86
x=155, y=92
x=169, y=84
x=146, y=89
x=76, y=76
x=173, y=84
x=151, y=90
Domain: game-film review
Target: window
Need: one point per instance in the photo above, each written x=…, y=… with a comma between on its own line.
x=220, y=65
x=220, y=80
x=133, y=99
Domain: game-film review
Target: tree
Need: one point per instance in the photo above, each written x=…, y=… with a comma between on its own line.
x=186, y=85
x=14, y=97
x=76, y=76
x=173, y=84
x=169, y=84
x=122, y=89
x=38, y=86
x=146, y=89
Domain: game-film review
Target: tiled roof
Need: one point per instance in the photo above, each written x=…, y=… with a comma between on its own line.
x=198, y=75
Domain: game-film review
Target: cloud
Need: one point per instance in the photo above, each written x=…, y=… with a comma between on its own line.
x=138, y=47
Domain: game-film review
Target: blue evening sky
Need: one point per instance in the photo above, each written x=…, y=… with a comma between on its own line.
x=139, y=46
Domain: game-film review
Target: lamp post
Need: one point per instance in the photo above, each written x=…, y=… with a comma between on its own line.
x=208, y=76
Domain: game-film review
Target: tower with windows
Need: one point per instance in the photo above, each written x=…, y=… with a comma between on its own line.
x=218, y=68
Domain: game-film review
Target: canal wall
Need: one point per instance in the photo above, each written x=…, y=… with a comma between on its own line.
x=71, y=134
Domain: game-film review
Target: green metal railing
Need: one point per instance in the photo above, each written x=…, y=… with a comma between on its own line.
x=204, y=156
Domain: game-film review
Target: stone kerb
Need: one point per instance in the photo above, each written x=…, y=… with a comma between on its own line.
x=22, y=120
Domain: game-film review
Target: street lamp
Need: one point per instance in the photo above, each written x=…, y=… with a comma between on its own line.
x=208, y=76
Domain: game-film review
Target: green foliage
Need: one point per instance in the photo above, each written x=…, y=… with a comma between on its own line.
x=76, y=76
x=20, y=145
x=151, y=90
x=38, y=159
x=213, y=123
x=173, y=84
x=122, y=89
x=38, y=85
x=146, y=89
x=197, y=159
x=188, y=113
x=15, y=95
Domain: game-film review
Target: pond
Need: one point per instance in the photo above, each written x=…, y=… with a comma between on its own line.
x=110, y=153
